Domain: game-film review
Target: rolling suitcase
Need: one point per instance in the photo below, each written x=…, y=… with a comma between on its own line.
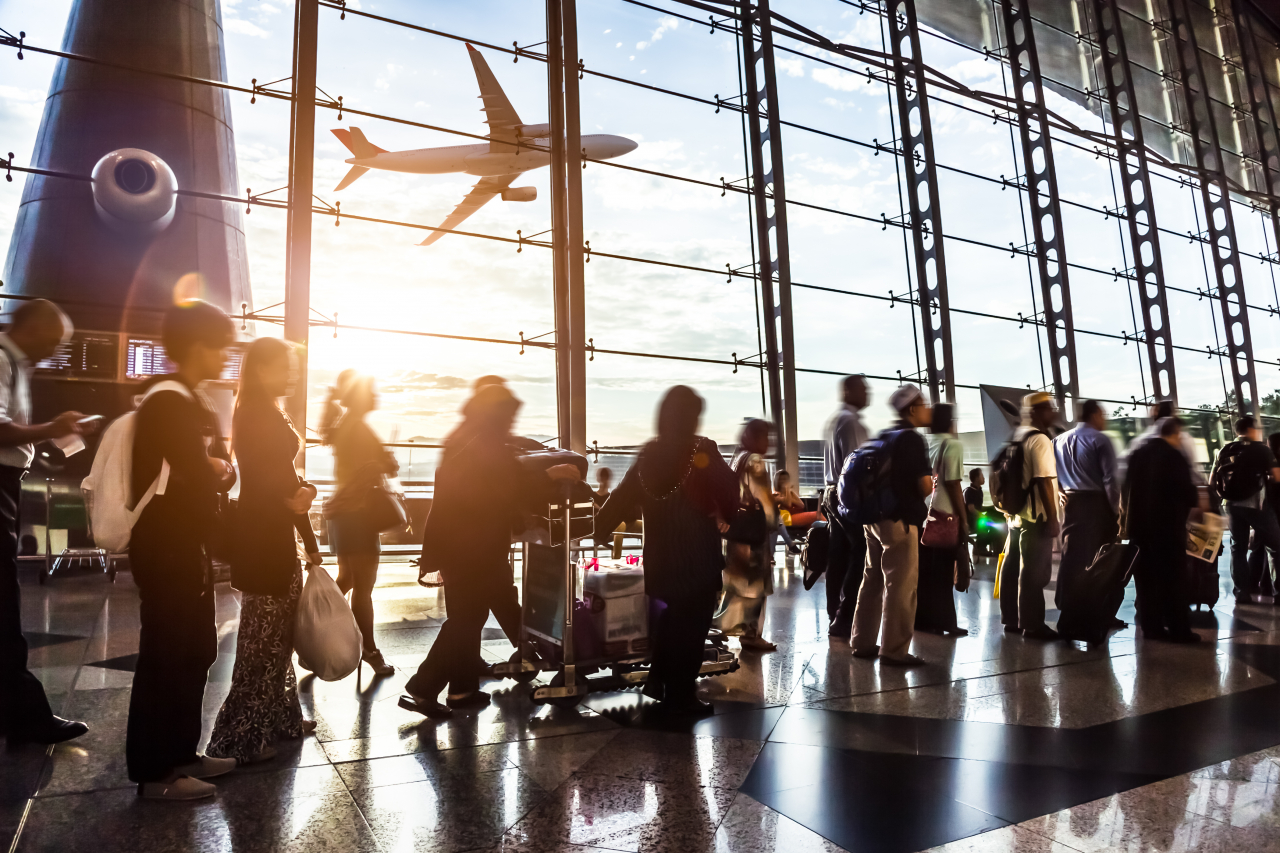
x=1095, y=598
x=1203, y=582
x=813, y=553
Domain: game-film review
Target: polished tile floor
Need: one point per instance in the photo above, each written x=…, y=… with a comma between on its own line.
x=998, y=744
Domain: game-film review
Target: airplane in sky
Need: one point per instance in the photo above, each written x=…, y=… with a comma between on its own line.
x=497, y=162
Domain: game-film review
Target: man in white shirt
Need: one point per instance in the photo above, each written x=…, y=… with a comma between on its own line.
x=1028, y=559
x=37, y=329
x=844, y=433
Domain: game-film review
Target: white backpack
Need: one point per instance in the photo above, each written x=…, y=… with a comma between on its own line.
x=108, y=490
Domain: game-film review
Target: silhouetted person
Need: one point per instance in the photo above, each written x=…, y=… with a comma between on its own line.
x=36, y=331
x=1160, y=495
x=1087, y=475
x=481, y=494
x=748, y=573
x=682, y=487
x=935, y=598
x=847, y=551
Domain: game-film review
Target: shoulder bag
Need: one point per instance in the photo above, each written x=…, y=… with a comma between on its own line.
x=941, y=529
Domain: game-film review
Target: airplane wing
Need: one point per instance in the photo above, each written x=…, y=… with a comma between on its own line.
x=480, y=194
x=499, y=114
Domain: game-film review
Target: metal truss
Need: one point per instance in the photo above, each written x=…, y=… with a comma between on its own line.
x=1042, y=189
x=1261, y=110
x=1215, y=194
x=765, y=131
x=922, y=181
x=1135, y=179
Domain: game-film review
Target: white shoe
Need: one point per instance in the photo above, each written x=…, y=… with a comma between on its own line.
x=182, y=788
x=207, y=767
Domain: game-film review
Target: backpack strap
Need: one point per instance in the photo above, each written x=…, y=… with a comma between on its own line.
x=162, y=481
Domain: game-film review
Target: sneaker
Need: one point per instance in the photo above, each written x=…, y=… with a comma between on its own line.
x=182, y=788
x=905, y=660
x=867, y=654
x=378, y=664
x=207, y=767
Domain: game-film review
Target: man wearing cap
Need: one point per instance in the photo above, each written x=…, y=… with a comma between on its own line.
x=1028, y=561
x=893, y=555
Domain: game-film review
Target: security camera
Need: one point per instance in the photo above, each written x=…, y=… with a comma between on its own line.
x=134, y=192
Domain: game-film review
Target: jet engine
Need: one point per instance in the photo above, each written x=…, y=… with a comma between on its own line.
x=533, y=131
x=520, y=194
x=134, y=192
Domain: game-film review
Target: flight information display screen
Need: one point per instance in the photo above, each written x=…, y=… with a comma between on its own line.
x=86, y=356
x=145, y=357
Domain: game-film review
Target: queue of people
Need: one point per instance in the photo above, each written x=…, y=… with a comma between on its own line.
x=899, y=544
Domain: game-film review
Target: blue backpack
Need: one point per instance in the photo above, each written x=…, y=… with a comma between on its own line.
x=865, y=492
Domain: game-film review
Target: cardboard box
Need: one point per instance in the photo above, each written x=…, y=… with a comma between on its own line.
x=620, y=618
x=616, y=583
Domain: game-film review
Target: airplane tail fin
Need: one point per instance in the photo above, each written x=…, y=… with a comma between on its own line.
x=357, y=144
x=356, y=171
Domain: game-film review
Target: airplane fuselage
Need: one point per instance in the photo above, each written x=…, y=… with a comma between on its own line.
x=484, y=160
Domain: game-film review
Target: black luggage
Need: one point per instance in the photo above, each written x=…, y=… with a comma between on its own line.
x=1203, y=582
x=813, y=553
x=1095, y=598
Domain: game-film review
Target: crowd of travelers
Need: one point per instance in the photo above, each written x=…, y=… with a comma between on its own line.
x=898, y=524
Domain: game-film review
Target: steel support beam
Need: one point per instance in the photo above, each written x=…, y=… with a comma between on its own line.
x=1261, y=110
x=559, y=222
x=302, y=144
x=574, y=235
x=1214, y=193
x=1042, y=192
x=922, y=197
x=1139, y=205
x=768, y=188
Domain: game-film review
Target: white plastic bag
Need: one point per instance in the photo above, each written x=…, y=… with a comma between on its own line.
x=325, y=634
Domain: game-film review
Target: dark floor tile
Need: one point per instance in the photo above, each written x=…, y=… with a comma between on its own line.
x=40, y=639
x=124, y=663
x=847, y=730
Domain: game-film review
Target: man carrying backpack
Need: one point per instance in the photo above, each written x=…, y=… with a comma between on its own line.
x=1239, y=478
x=37, y=329
x=901, y=480
x=847, y=552
x=1023, y=484
x=177, y=442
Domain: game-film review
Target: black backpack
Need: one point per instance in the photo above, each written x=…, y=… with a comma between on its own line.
x=813, y=553
x=865, y=492
x=1007, y=492
x=1233, y=478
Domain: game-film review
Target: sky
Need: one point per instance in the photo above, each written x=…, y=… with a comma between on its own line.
x=375, y=275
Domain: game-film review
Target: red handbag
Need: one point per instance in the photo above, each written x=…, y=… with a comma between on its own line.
x=941, y=530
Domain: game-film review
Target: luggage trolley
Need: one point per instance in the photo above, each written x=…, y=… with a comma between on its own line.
x=555, y=622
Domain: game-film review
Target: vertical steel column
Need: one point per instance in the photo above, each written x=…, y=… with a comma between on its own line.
x=1217, y=207
x=922, y=179
x=1042, y=190
x=559, y=220
x=574, y=234
x=1140, y=212
x=302, y=143
x=765, y=131
x=1261, y=109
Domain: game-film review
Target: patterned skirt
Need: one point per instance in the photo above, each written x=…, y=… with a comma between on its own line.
x=262, y=706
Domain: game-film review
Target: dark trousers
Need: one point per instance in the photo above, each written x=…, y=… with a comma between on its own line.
x=846, y=554
x=22, y=700
x=935, y=601
x=1087, y=524
x=177, y=643
x=679, y=634
x=451, y=660
x=1027, y=568
x=1160, y=578
x=1245, y=573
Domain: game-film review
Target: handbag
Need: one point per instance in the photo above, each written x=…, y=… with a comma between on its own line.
x=941, y=529
x=963, y=572
x=749, y=525
x=384, y=510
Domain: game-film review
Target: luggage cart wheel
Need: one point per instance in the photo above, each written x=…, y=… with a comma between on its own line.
x=563, y=701
x=522, y=677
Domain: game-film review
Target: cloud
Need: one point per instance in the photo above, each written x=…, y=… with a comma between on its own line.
x=793, y=67
x=841, y=81
x=412, y=380
x=664, y=25
x=244, y=28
